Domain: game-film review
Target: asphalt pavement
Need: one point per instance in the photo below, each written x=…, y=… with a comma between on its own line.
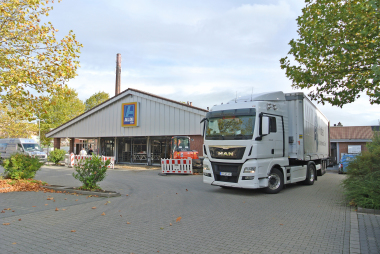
x=180, y=214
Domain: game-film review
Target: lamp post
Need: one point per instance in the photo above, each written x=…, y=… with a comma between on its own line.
x=39, y=132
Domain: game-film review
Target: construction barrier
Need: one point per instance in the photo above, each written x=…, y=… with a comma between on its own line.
x=69, y=160
x=75, y=160
x=177, y=166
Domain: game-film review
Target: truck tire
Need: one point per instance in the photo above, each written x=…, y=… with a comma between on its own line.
x=310, y=174
x=275, y=182
x=322, y=171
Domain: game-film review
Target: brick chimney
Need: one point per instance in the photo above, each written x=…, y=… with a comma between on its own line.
x=118, y=72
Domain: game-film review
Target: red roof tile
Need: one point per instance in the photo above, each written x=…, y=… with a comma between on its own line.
x=351, y=132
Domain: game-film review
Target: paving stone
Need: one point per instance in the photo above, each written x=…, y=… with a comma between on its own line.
x=300, y=219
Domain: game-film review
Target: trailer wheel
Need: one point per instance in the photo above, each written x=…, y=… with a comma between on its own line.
x=322, y=171
x=310, y=175
x=275, y=182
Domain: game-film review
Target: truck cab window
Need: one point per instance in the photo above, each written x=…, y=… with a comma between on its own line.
x=272, y=124
x=19, y=148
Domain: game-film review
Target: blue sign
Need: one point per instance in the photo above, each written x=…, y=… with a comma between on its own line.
x=129, y=114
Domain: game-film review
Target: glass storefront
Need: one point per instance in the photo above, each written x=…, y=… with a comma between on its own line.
x=107, y=146
x=139, y=150
x=160, y=148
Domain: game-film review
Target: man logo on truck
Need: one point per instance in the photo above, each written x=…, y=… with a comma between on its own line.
x=226, y=153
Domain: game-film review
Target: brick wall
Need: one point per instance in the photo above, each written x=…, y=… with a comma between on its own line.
x=197, y=144
x=343, y=147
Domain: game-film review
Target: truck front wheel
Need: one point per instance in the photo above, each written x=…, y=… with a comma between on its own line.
x=310, y=174
x=275, y=182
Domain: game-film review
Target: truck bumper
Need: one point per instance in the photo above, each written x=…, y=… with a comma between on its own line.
x=245, y=180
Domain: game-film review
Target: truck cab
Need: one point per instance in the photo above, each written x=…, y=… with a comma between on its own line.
x=247, y=144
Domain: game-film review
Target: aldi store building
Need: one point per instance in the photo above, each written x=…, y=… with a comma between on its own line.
x=134, y=126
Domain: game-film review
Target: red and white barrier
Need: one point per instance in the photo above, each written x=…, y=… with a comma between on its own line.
x=177, y=166
x=69, y=160
x=77, y=160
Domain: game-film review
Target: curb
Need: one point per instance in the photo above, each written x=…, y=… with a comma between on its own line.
x=369, y=211
x=107, y=194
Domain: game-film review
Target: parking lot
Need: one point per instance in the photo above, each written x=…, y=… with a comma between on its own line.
x=175, y=214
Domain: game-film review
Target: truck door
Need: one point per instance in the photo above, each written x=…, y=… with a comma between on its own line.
x=272, y=142
x=278, y=136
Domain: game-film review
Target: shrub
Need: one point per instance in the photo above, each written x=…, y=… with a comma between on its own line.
x=57, y=155
x=363, y=177
x=21, y=166
x=90, y=171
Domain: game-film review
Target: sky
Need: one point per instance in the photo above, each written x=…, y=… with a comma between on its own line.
x=202, y=51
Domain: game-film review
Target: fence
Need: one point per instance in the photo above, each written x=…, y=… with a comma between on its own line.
x=177, y=166
x=72, y=160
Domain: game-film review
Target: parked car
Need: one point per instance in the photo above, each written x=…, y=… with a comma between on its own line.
x=346, y=159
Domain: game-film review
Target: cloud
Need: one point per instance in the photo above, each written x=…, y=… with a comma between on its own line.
x=204, y=51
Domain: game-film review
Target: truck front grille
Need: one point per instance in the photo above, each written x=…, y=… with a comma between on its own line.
x=231, y=153
x=234, y=169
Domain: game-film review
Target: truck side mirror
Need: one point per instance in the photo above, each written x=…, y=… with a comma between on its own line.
x=265, y=126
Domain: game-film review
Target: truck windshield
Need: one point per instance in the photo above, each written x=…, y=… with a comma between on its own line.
x=31, y=147
x=230, y=127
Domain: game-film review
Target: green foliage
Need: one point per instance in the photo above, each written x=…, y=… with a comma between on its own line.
x=12, y=124
x=90, y=171
x=33, y=61
x=96, y=99
x=337, y=53
x=57, y=155
x=21, y=166
x=363, y=177
x=63, y=106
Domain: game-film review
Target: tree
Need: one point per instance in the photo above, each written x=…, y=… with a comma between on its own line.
x=13, y=127
x=32, y=61
x=96, y=99
x=338, y=52
x=60, y=108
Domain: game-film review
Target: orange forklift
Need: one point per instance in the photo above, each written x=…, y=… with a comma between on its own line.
x=180, y=149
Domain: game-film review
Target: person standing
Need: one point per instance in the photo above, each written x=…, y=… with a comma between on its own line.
x=83, y=152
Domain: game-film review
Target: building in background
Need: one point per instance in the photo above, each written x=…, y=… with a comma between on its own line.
x=349, y=139
x=134, y=126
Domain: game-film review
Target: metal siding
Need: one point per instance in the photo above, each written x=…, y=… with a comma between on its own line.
x=157, y=117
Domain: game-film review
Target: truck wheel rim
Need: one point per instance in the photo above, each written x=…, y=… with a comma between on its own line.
x=274, y=182
x=311, y=174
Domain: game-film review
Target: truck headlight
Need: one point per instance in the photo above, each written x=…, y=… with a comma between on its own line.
x=205, y=167
x=249, y=170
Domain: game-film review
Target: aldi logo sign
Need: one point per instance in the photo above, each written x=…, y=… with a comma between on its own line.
x=129, y=114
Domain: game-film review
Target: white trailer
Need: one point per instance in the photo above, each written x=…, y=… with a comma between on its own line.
x=265, y=141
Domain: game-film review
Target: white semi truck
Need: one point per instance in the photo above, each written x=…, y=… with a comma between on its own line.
x=265, y=141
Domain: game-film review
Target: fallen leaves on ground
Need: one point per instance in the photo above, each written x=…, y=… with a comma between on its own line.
x=56, y=209
x=14, y=243
x=6, y=224
x=128, y=222
x=103, y=213
x=178, y=219
x=9, y=185
x=171, y=224
x=19, y=219
x=73, y=231
x=76, y=199
x=94, y=207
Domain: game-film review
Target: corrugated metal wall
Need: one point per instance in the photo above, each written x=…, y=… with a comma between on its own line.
x=158, y=117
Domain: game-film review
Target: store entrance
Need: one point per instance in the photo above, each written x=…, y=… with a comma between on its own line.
x=124, y=153
x=160, y=149
x=107, y=146
x=139, y=150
